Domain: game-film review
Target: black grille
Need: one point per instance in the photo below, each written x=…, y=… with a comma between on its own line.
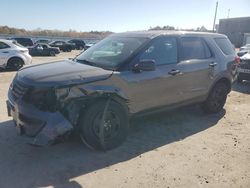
x=18, y=89
x=245, y=64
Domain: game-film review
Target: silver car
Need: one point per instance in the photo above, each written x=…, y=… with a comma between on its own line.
x=12, y=55
x=123, y=75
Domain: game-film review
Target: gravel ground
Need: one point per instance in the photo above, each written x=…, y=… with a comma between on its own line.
x=181, y=148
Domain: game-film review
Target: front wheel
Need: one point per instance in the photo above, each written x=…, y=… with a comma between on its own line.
x=52, y=53
x=216, y=98
x=104, y=125
x=15, y=64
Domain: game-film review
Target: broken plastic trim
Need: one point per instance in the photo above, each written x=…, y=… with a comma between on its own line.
x=54, y=124
x=56, y=127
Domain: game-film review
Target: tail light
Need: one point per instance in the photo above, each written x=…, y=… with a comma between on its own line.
x=237, y=60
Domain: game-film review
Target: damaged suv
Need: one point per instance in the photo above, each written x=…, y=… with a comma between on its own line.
x=125, y=74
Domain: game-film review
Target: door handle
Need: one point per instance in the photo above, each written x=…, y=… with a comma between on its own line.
x=5, y=52
x=213, y=64
x=174, y=72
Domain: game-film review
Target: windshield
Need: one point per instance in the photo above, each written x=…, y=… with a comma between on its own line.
x=110, y=52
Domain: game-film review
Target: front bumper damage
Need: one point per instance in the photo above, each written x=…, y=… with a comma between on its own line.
x=45, y=127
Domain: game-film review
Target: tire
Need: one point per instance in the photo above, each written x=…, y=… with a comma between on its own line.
x=15, y=63
x=115, y=129
x=52, y=53
x=216, y=99
x=68, y=49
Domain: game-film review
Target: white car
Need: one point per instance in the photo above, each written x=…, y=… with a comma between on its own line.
x=13, y=55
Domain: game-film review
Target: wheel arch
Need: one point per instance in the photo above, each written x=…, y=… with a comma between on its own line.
x=224, y=80
x=15, y=56
x=75, y=107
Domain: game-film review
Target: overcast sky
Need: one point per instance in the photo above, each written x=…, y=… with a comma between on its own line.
x=116, y=15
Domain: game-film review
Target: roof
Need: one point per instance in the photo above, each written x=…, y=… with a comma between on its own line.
x=235, y=19
x=155, y=33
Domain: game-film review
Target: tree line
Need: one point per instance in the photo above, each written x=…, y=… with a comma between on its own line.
x=172, y=28
x=73, y=33
x=53, y=33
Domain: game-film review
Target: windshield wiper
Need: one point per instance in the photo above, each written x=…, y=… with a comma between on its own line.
x=84, y=61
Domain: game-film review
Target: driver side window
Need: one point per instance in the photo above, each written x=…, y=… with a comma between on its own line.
x=163, y=51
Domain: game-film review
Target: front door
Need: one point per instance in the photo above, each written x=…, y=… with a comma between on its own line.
x=150, y=89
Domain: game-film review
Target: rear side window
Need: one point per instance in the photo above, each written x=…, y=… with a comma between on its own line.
x=225, y=45
x=194, y=48
x=3, y=45
x=17, y=44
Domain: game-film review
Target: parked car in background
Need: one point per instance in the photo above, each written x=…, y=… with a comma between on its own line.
x=88, y=45
x=43, y=49
x=123, y=75
x=24, y=41
x=46, y=41
x=62, y=45
x=80, y=44
x=246, y=47
x=244, y=50
x=13, y=56
x=244, y=68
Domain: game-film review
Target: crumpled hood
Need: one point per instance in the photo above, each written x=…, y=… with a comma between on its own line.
x=61, y=73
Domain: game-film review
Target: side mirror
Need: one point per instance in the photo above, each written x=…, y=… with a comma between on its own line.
x=145, y=65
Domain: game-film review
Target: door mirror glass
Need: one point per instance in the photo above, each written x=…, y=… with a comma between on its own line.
x=145, y=65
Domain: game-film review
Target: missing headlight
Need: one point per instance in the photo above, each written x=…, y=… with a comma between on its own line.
x=44, y=99
x=62, y=93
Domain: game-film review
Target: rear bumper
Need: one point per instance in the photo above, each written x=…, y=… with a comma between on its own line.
x=45, y=127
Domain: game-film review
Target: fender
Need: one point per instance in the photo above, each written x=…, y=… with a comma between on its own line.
x=75, y=99
x=16, y=56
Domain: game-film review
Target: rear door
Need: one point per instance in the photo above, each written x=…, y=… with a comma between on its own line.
x=197, y=64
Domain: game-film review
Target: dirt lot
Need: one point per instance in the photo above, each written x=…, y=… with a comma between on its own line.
x=181, y=148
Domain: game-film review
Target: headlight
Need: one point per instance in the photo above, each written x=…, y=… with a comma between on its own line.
x=44, y=99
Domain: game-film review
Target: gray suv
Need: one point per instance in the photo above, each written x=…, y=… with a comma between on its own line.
x=125, y=74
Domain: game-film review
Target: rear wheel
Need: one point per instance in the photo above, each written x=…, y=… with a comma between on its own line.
x=104, y=125
x=216, y=98
x=15, y=63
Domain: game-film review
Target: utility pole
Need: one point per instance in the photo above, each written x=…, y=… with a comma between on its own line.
x=228, y=13
x=215, y=15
